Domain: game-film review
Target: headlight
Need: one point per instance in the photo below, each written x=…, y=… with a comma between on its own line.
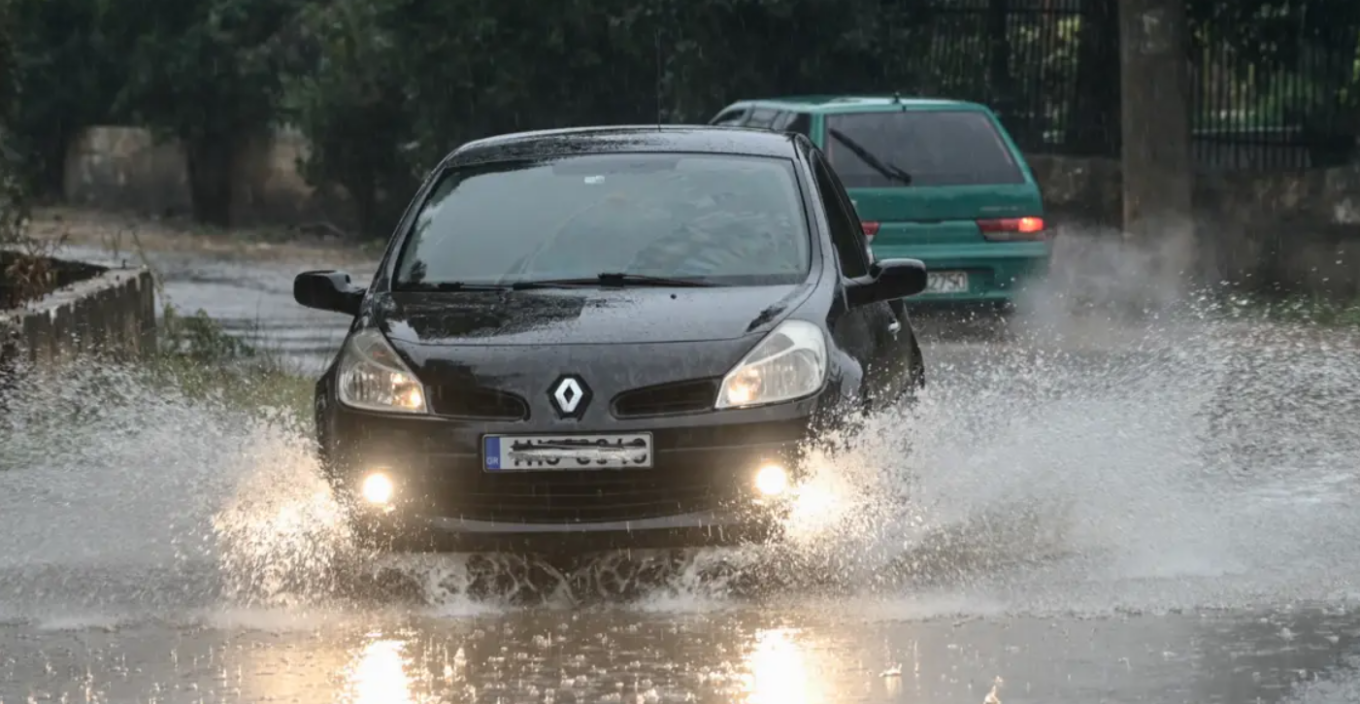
x=373, y=377
x=789, y=363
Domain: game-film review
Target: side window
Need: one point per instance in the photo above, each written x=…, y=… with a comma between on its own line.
x=762, y=117
x=800, y=123
x=846, y=234
x=731, y=117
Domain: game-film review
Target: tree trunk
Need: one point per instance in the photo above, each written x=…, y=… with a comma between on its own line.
x=210, y=161
x=363, y=192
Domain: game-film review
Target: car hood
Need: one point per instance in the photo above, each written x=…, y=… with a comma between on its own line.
x=583, y=316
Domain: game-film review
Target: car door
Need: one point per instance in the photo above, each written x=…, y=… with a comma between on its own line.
x=868, y=333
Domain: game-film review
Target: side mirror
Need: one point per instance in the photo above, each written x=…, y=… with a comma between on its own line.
x=329, y=291
x=888, y=280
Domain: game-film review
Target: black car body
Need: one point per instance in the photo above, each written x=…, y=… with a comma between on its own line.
x=506, y=410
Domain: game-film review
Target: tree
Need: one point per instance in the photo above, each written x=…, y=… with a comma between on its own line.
x=13, y=210
x=347, y=92
x=208, y=72
x=70, y=57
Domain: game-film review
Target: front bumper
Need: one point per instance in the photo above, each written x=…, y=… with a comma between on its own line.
x=699, y=491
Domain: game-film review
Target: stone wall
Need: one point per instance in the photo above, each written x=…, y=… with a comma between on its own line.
x=1292, y=229
x=108, y=311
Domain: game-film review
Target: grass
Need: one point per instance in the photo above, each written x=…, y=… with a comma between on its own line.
x=205, y=362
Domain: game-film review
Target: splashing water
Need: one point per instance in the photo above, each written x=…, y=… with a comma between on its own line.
x=1176, y=461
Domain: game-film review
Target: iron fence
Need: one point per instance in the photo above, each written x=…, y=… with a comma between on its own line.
x=1275, y=84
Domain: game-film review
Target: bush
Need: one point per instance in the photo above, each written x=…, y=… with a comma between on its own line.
x=199, y=357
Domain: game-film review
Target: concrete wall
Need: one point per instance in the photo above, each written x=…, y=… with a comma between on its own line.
x=1295, y=231
x=126, y=169
x=112, y=312
x=1293, y=228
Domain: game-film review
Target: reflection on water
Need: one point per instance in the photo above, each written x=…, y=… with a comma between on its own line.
x=378, y=674
x=778, y=670
x=747, y=656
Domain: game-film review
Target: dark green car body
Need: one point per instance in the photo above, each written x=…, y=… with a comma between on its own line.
x=936, y=180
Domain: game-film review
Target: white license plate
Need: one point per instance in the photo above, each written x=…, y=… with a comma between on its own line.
x=946, y=281
x=537, y=453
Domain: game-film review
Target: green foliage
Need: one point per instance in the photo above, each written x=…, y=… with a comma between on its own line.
x=71, y=57
x=199, y=338
x=13, y=204
x=203, y=360
x=348, y=96
x=208, y=72
x=383, y=88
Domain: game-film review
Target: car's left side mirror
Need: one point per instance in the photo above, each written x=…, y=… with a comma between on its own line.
x=888, y=280
x=328, y=290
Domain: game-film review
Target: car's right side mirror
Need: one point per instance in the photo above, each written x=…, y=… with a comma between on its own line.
x=888, y=280
x=328, y=290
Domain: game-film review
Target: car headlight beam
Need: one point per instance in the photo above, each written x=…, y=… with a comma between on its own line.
x=373, y=377
x=788, y=364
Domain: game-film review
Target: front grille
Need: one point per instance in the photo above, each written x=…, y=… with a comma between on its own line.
x=667, y=399
x=590, y=496
x=477, y=403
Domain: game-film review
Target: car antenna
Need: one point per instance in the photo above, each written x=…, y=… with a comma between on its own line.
x=657, y=37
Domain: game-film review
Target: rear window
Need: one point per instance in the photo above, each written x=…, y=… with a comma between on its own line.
x=726, y=220
x=935, y=147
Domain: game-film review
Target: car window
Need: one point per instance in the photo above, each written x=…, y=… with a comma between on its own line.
x=723, y=219
x=800, y=123
x=846, y=233
x=762, y=117
x=731, y=117
x=935, y=147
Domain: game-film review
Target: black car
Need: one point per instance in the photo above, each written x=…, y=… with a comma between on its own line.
x=607, y=337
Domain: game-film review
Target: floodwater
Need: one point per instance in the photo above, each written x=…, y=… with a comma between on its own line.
x=1078, y=511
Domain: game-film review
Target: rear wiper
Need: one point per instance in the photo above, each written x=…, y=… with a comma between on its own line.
x=889, y=170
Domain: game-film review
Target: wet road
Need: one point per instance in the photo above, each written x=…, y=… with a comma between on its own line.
x=1100, y=513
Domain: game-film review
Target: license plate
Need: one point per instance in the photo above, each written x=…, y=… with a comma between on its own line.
x=535, y=453
x=946, y=281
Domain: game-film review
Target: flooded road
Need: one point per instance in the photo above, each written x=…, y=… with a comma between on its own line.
x=1152, y=512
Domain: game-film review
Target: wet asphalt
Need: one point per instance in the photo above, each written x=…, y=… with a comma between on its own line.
x=1197, y=488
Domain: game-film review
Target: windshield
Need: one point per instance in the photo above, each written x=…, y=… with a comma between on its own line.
x=719, y=219
x=932, y=147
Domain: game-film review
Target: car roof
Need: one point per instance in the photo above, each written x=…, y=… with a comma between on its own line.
x=624, y=139
x=830, y=104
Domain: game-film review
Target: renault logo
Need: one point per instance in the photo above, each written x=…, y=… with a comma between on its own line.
x=570, y=396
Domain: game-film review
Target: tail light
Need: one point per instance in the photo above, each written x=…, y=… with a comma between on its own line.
x=1026, y=229
x=870, y=229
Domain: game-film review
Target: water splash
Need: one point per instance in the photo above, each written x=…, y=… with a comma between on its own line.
x=1079, y=461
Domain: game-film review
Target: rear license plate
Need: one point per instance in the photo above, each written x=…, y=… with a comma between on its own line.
x=946, y=281
x=536, y=453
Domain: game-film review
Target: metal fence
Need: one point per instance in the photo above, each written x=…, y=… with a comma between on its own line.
x=1275, y=83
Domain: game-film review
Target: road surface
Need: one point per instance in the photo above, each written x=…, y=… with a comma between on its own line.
x=1099, y=513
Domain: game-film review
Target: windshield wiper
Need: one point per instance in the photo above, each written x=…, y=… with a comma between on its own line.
x=603, y=279
x=449, y=286
x=888, y=169
x=616, y=278
x=454, y=286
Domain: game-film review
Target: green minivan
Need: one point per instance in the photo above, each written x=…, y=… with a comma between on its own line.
x=936, y=180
